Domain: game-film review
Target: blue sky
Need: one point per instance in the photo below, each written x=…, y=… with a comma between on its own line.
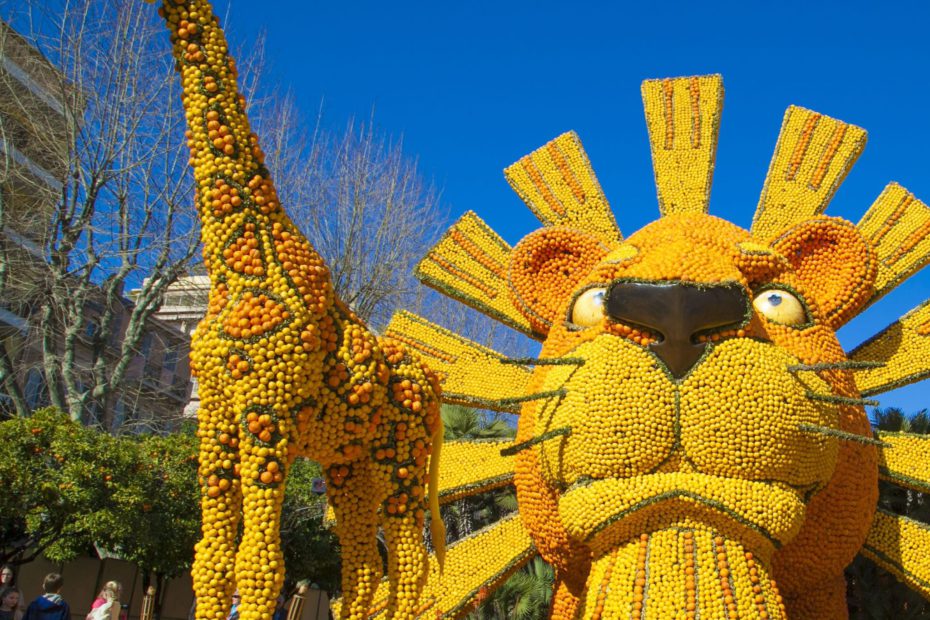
x=471, y=87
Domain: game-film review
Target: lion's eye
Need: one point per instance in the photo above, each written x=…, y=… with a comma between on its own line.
x=589, y=307
x=780, y=306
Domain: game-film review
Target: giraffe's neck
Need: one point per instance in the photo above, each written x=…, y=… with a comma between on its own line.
x=680, y=572
x=236, y=198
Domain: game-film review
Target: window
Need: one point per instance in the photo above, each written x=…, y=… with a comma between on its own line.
x=179, y=388
x=7, y=408
x=170, y=362
x=92, y=408
x=115, y=333
x=145, y=346
x=152, y=369
x=93, y=412
x=121, y=412
x=91, y=329
x=36, y=391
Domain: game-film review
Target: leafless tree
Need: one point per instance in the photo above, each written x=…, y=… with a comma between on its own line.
x=363, y=203
x=109, y=131
x=358, y=198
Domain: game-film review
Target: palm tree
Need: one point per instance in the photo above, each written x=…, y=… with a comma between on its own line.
x=889, y=419
x=527, y=595
x=467, y=423
x=919, y=423
x=873, y=593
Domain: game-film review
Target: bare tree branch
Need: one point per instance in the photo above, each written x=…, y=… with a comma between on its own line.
x=123, y=217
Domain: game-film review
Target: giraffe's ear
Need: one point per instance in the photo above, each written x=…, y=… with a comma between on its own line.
x=545, y=268
x=834, y=262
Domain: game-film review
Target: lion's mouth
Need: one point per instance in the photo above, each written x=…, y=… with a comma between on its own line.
x=607, y=512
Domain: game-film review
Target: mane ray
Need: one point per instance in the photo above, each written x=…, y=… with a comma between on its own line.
x=813, y=155
x=470, y=374
x=558, y=184
x=904, y=349
x=470, y=264
x=905, y=464
x=470, y=467
x=898, y=227
x=683, y=119
x=899, y=545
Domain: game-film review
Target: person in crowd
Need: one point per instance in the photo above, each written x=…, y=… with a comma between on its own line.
x=49, y=606
x=234, y=610
x=9, y=603
x=107, y=606
x=8, y=580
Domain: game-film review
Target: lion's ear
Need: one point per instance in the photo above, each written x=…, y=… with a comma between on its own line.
x=545, y=268
x=835, y=263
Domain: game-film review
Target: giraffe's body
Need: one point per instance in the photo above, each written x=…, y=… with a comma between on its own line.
x=286, y=370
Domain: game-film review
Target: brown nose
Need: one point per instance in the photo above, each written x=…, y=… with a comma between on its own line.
x=679, y=312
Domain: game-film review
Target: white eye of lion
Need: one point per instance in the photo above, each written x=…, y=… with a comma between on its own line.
x=588, y=309
x=780, y=306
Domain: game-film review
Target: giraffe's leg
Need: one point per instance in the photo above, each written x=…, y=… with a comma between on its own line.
x=410, y=422
x=260, y=560
x=220, y=502
x=407, y=559
x=355, y=495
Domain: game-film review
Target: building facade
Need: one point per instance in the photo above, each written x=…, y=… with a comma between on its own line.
x=184, y=305
x=38, y=112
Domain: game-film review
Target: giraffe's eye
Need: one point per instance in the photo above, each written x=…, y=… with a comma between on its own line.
x=588, y=309
x=781, y=306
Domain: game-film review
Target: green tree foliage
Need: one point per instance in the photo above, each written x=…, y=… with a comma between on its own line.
x=69, y=488
x=59, y=481
x=873, y=593
x=527, y=595
x=311, y=551
x=159, y=496
x=468, y=423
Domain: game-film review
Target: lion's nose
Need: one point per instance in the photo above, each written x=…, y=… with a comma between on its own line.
x=679, y=312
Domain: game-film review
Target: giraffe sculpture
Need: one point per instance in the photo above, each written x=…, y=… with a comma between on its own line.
x=287, y=370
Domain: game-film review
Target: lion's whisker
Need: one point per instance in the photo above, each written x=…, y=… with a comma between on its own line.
x=840, y=400
x=529, y=443
x=544, y=361
x=845, y=436
x=503, y=402
x=847, y=364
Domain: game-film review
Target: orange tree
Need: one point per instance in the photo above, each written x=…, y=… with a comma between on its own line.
x=69, y=488
x=158, y=503
x=59, y=479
